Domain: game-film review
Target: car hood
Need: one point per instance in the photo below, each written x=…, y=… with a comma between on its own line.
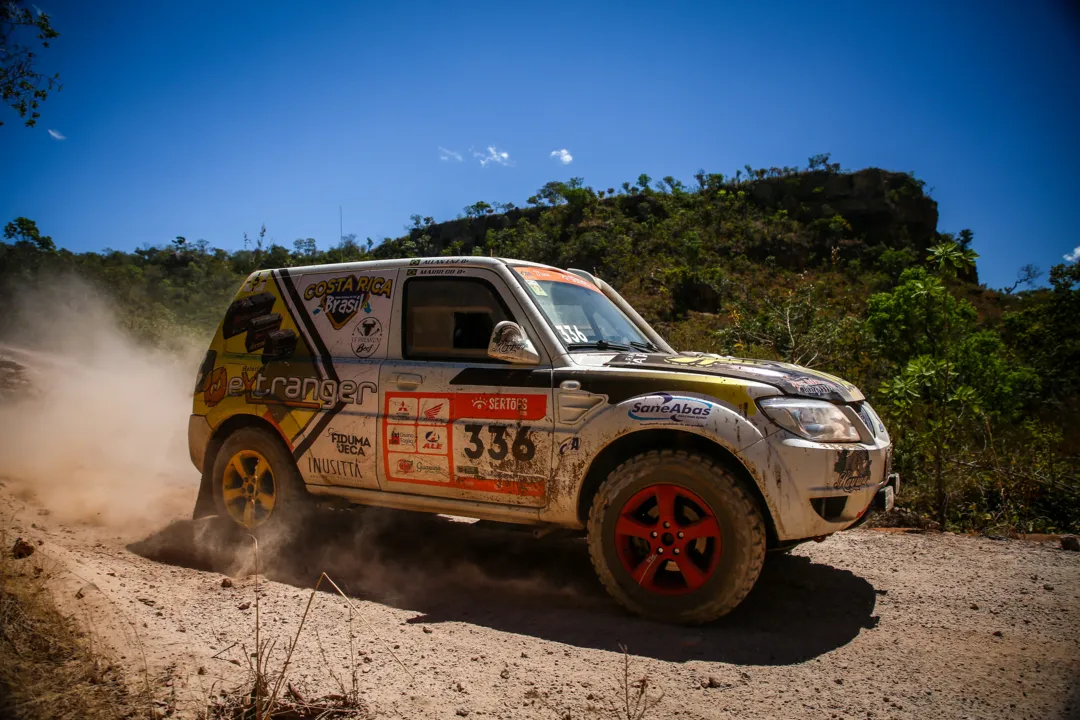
x=790, y=379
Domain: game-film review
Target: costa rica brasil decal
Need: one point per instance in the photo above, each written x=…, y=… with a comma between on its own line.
x=342, y=297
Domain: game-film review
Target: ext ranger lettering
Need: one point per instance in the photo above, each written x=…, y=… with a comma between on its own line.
x=326, y=392
x=515, y=392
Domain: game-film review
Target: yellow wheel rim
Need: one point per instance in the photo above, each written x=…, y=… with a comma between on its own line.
x=248, y=488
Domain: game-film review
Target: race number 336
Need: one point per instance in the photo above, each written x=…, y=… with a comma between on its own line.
x=522, y=447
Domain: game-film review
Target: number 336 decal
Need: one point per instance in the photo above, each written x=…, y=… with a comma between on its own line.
x=570, y=333
x=522, y=448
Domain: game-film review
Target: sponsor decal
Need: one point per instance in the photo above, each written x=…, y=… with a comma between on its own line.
x=257, y=282
x=428, y=467
x=500, y=406
x=810, y=386
x=511, y=347
x=401, y=438
x=402, y=408
x=410, y=273
x=328, y=466
x=421, y=439
x=569, y=445
x=366, y=337
x=342, y=297
x=852, y=468
x=706, y=361
x=662, y=407
x=215, y=387
x=510, y=340
x=299, y=392
x=551, y=275
x=434, y=410
x=536, y=287
x=347, y=444
x=419, y=467
x=433, y=442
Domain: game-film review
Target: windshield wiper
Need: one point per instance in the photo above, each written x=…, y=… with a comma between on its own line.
x=598, y=345
x=644, y=345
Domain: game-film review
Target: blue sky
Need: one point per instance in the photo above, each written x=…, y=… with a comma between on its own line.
x=207, y=119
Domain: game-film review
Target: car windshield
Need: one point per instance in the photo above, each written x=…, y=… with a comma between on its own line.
x=582, y=316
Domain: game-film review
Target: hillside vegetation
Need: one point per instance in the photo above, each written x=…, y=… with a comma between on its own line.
x=842, y=271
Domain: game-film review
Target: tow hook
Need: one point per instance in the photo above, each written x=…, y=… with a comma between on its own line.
x=820, y=538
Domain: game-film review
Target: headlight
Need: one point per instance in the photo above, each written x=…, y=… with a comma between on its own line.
x=812, y=419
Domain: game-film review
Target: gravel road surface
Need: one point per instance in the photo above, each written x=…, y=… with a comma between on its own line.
x=455, y=618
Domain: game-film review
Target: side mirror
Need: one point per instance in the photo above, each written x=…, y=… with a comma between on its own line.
x=509, y=342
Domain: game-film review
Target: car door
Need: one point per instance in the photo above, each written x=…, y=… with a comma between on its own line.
x=345, y=317
x=454, y=422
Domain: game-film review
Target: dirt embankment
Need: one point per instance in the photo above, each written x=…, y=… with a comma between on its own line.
x=465, y=619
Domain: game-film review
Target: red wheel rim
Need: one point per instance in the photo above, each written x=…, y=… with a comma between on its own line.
x=668, y=539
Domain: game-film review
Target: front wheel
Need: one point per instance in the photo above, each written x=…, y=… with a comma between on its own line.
x=256, y=483
x=676, y=537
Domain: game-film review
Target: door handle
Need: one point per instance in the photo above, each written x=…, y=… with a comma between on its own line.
x=408, y=380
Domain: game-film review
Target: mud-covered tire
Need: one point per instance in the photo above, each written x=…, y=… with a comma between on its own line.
x=291, y=502
x=696, y=480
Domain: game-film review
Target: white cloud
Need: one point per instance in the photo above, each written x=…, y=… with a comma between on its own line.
x=1074, y=256
x=563, y=156
x=57, y=136
x=493, y=155
x=445, y=154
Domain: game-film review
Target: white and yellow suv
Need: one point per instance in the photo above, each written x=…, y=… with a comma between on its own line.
x=522, y=393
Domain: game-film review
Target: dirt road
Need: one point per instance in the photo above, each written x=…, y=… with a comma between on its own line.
x=495, y=623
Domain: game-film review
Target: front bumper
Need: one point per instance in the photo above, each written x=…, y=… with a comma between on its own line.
x=815, y=489
x=198, y=434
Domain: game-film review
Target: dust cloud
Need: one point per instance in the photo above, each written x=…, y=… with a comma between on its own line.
x=93, y=425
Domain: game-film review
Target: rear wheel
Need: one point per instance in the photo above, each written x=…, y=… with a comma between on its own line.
x=256, y=483
x=676, y=537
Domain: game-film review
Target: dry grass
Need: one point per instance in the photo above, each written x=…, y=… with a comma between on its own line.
x=49, y=668
x=636, y=702
x=268, y=693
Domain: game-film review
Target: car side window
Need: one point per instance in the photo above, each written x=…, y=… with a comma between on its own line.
x=450, y=318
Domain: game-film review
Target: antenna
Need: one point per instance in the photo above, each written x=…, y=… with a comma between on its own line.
x=341, y=225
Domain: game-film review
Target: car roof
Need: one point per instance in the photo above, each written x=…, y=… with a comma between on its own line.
x=456, y=260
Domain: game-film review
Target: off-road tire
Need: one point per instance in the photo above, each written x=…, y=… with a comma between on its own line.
x=742, y=535
x=292, y=501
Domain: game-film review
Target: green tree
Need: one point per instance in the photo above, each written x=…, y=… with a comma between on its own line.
x=26, y=231
x=22, y=86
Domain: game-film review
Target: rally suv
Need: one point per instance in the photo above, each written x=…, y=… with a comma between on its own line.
x=522, y=393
